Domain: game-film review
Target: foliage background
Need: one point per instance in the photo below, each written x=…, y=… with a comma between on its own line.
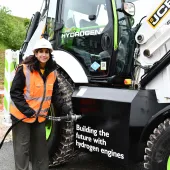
x=12, y=34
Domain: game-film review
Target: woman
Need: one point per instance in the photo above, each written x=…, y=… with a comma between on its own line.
x=33, y=88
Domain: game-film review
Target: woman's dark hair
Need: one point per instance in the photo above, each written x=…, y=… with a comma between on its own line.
x=33, y=63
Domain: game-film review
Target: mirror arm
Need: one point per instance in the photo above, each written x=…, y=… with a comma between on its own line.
x=59, y=26
x=120, y=10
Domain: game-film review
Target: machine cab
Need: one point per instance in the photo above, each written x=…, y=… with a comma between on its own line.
x=96, y=32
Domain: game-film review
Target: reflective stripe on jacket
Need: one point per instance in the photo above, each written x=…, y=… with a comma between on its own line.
x=37, y=94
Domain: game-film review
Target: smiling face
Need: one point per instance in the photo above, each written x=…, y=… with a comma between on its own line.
x=43, y=55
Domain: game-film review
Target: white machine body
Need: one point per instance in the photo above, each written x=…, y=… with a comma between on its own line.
x=153, y=39
x=154, y=42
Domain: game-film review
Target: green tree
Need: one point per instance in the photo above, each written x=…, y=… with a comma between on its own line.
x=12, y=29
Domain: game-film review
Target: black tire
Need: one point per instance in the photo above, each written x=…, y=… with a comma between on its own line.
x=61, y=139
x=158, y=148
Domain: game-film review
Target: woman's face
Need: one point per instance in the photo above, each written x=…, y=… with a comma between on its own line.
x=43, y=55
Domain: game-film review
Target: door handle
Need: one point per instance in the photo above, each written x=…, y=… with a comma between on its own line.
x=106, y=41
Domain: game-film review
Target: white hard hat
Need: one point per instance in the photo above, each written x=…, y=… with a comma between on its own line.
x=42, y=43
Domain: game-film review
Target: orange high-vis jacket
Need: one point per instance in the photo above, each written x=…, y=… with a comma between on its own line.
x=36, y=93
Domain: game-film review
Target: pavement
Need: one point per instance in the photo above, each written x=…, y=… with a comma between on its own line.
x=83, y=161
x=3, y=128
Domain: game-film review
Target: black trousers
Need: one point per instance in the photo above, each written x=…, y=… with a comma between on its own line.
x=29, y=144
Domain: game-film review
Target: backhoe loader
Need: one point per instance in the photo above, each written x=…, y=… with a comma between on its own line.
x=114, y=70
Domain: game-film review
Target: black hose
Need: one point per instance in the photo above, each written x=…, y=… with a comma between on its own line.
x=11, y=127
x=56, y=119
x=155, y=70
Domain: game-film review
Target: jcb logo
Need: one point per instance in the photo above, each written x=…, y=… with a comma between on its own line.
x=159, y=14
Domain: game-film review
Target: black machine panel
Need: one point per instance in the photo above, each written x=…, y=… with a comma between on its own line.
x=104, y=129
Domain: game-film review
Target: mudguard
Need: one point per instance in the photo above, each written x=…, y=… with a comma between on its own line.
x=154, y=121
x=71, y=66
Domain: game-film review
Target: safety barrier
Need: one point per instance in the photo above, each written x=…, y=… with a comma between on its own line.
x=11, y=61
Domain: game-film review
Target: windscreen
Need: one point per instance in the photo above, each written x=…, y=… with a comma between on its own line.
x=84, y=24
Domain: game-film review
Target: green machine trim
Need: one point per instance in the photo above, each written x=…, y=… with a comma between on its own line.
x=168, y=164
x=115, y=25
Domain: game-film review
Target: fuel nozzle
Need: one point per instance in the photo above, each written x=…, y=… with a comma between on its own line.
x=75, y=117
x=72, y=117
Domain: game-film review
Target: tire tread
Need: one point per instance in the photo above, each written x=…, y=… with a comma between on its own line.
x=65, y=150
x=151, y=142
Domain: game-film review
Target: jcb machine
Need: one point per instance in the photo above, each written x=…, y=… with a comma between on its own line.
x=113, y=73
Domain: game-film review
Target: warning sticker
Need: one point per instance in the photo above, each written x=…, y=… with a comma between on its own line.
x=95, y=66
x=103, y=65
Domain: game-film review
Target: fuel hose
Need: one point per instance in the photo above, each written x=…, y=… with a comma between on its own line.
x=71, y=117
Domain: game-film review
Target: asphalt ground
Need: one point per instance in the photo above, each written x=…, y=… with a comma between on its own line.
x=83, y=161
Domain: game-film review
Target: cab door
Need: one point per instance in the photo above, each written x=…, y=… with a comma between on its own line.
x=89, y=34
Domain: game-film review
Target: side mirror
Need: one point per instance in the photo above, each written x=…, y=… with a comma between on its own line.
x=129, y=8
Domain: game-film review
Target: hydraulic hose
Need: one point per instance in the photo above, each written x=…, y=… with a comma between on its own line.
x=156, y=69
x=71, y=117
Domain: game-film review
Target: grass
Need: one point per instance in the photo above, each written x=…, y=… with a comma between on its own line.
x=2, y=63
x=2, y=46
x=2, y=68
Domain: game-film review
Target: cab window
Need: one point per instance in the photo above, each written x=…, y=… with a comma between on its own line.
x=84, y=26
